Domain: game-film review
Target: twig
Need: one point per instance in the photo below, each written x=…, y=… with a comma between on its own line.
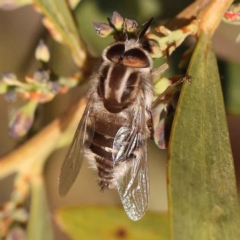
x=211, y=16
x=193, y=9
x=208, y=12
x=34, y=152
x=189, y=13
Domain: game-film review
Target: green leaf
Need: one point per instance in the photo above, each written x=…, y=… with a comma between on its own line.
x=58, y=12
x=232, y=86
x=111, y=223
x=73, y=3
x=39, y=225
x=202, y=189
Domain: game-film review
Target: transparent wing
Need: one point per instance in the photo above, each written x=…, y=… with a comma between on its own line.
x=130, y=155
x=73, y=161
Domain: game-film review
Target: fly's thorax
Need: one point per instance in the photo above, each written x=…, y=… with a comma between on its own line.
x=125, y=68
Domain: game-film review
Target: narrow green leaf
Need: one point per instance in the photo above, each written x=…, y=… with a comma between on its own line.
x=73, y=3
x=58, y=12
x=202, y=190
x=39, y=225
x=111, y=223
x=232, y=86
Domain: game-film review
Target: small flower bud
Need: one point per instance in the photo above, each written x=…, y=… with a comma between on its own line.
x=102, y=29
x=16, y=233
x=29, y=79
x=9, y=78
x=233, y=13
x=117, y=21
x=155, y=50
x=41, y=76
x=20, y=215
x=54, y=87
x=42, y=52
x=22, y=120
x=131, y=25
x=10, y=95
x=160, y=85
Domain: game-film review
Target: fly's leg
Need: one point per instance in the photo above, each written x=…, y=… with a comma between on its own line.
x=150, y=125
x=186, y=78
x=156, y=73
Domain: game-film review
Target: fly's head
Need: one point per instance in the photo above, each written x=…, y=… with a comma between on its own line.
x=131, y=48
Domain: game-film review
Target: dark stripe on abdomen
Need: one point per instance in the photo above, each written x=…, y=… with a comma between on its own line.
x=101, y=152
x=106, y=128
x=100, y=140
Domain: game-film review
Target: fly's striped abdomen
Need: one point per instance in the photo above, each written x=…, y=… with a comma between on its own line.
x=106, y=128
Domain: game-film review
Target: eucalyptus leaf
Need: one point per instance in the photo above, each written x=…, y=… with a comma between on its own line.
x=111, y=223
x=232, y=86
x=58, y=12
x=202, y=187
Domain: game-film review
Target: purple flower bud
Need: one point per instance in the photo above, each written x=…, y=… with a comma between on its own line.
x=41, y=76
x=10, y=79
x=131, y=25
x=10, y=95
x=22, y=120
x=102, y=29
x=16, y=233
x=54, y=86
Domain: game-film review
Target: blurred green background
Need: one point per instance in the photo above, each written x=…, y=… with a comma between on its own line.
x=20, y=31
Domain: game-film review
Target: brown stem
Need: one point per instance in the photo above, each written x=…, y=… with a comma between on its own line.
x=208, y=12
x=189, y=13
x=193, y=9
x=211, y=16
x=34, y=152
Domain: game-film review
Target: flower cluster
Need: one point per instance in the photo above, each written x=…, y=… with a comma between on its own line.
x=161, y=44
x=40, y=87
x=13, y=214
x=118, y=27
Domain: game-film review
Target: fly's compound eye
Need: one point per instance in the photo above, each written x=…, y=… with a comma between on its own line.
x=115, y=53
x=135, y=58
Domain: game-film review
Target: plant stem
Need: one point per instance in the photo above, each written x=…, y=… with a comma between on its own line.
x=211, y=15
x=208, y=12
x=34, y=152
